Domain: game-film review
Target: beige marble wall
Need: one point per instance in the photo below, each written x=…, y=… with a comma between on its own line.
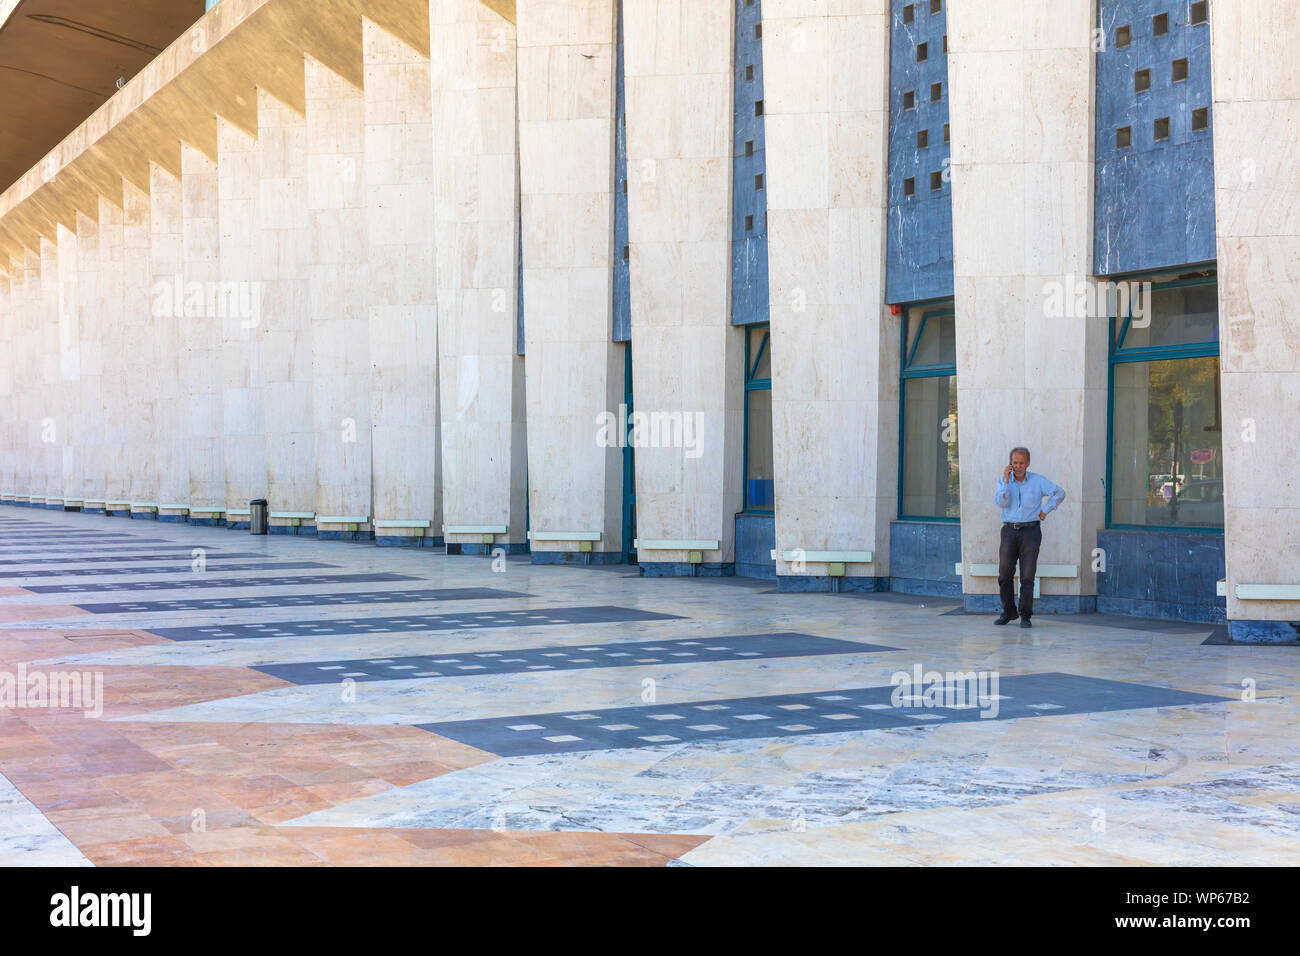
x=243, y=421
x=834, y=345
x=1256, y=121
x=339, y=292
x=402, y=301
x=688, y=358
x=284, y=337
x=1021, y=85
x=575, y=372
x=481, y=393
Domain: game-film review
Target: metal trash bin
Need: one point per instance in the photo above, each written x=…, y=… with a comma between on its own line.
x=257, y=517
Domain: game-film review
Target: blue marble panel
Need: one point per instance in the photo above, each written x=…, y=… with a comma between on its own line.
x=469, y=620
x=755, y=541
x=1264, y=632
x=749, y=289
x=733, y=647
x=199, y=580
x=923, y=557
x=918, y=242
x=622, y=263
x=796, y=715
x=1162, y=574
x=1154, y=199
x=824, y=583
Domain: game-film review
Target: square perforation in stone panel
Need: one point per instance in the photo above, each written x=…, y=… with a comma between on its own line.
x=909, y=100
x=936, y=92
x=1123, y=36
x=936, y=181
x=922, y=139
x=1200, y=119
x=1200, y=13
x=758, y=107
x=1160, y=128
x=1141, y=81
x=936, y=6
x=909, y=13
x=749, y=72
x=1124, y=137
x=909, y=186
x=1160, y=25
x=922, y=52
x=758, y=181
x=1178, y=70
x=945, y=132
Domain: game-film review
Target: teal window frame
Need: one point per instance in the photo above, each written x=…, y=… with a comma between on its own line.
x=754, y=384
x=1119, y=355
x=910, y=371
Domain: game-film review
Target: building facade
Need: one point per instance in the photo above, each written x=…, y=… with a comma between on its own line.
x=718, y=286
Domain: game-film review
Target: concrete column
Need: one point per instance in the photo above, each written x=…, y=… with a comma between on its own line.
x=30, y=468
x=403, y=315
x=339, y=297
x=834, y=346
x=167, y=329
x=284, y=337
x=481, y=378
x=52, y=429
x=575, y=375
x=206, y=302
x=244, y=445
x=8, y=411
x=1256, y=119
x=1022, y=86
x=114, y=346
x=139, y=350
x=66, y=393
x=688, y=368
x=88, y=476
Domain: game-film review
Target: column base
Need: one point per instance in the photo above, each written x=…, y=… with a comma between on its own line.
x=824, y=583
x=345, y=535
x=684, y=569
x=513, y=547
x=583, y=558
x=1045, y=604
x=408, y=541
x=1264, y=632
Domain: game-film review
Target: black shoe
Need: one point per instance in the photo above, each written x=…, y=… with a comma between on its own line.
x=1006, y=618
x=1024, y=622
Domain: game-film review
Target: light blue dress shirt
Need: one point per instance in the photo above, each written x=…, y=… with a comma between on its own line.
x=1022, y=500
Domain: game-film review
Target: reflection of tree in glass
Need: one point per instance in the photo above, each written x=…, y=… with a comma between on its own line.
x=1182, y=416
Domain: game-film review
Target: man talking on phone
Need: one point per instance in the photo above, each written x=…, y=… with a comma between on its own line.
x=1020, y=495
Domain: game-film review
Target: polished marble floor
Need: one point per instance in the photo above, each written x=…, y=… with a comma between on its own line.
x=355, y=705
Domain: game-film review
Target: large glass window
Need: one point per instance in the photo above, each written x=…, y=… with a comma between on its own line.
x=929, y=480
x=1166, y=468
x=760, y=488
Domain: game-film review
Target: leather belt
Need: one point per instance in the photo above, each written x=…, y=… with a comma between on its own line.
x=1017, y=525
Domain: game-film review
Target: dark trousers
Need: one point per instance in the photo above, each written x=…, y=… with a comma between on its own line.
x=1018, y=544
